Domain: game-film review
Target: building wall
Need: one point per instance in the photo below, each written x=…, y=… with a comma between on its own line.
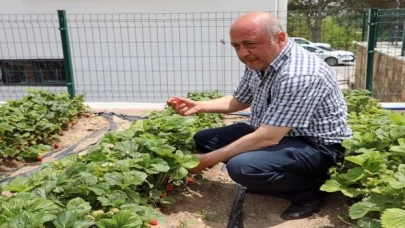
x=138, y=6
x=131, y=50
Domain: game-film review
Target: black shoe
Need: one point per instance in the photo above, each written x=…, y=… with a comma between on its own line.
x=300, y=211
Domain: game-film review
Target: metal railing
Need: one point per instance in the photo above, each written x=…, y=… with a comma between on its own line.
x=32, y=54
x=385, y=73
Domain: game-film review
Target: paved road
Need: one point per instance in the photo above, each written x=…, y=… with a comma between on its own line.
x=345, y=74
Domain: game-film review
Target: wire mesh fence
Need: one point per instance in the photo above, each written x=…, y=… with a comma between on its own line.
x=389, y=76
x=152, y=56
x=387, y=66
x=332, y=37
x=149, y=57
x=30, y=54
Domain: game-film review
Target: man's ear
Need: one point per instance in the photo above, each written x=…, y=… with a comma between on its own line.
x=281, y=38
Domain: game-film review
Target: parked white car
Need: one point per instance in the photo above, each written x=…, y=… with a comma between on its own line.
x=303, y=41
x=331, y=57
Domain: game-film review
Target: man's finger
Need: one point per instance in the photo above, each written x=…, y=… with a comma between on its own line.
x=182, y=105
x=179, y=107
x=174, y=99
x=174, y=105
x=184, y=110
x=183, y=100
x=189, y=112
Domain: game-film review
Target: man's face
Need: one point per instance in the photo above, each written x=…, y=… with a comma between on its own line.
x=254, y=47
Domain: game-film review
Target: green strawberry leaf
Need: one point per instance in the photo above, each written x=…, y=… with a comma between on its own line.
x=360, y=209
x=393, y=217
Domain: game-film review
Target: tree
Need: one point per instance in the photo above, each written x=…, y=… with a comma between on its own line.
x=317, y=10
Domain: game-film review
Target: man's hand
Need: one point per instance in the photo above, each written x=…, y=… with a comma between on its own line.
x=205, y=162
x=184, y=106
x=264, y=136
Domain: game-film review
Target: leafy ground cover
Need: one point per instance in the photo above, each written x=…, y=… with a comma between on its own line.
x=30, y=126
x=373, y=172
x=121, y=182
x=128, y=178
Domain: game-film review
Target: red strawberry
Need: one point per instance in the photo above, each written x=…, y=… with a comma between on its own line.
x=39, y=158
x=55, y=146
x=163, y=195
x=170, y=187
x=153, y=222
x=190, y=180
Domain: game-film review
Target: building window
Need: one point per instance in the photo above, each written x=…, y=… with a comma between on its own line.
x=32, y=72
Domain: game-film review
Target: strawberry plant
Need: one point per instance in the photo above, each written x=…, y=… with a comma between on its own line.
x=373, y=170
x=204, y=95
x=28, y=127
x=118, y=183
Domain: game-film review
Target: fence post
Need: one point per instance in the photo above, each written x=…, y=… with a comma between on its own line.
x=67, y=57
x=372, y=41
x=364, y=30
x=403, y=41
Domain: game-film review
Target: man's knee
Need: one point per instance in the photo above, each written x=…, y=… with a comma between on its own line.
x=199, y=136
x=203, y=141
x=242, y=170
x=202, y=137
x=235, y=169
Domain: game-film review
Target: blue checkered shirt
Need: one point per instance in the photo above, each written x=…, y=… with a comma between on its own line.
x=297, y=90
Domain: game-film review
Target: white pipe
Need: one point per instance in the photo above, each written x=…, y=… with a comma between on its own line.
x=393, y=105
x=135, y=105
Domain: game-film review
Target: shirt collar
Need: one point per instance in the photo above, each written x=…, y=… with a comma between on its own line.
x=278, y=62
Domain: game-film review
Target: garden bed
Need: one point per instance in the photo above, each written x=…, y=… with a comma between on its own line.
x=134, y=174
x=206, y=202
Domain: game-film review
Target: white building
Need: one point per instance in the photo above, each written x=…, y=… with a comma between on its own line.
x=124, y=50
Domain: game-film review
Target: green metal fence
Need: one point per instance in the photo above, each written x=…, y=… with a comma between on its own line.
x=384, y=46
x=64, y=35
x=32, y=54
x=149, y=57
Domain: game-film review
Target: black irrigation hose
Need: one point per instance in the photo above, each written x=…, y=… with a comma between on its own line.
x=236, y=216
x=70, y=149
x=112, y=127
x=120, y=115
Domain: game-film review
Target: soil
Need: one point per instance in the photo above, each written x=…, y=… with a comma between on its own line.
x=207, y=202
x=84, y=127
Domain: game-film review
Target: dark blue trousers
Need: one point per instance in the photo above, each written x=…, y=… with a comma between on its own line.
x=293, y=170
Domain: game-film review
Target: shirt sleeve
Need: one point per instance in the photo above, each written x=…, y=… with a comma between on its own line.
x=243, y=93
x=296, y=99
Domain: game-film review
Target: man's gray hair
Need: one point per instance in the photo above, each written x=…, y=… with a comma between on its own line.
x=270, y=26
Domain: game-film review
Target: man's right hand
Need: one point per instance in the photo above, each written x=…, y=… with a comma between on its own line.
x=184, y=106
